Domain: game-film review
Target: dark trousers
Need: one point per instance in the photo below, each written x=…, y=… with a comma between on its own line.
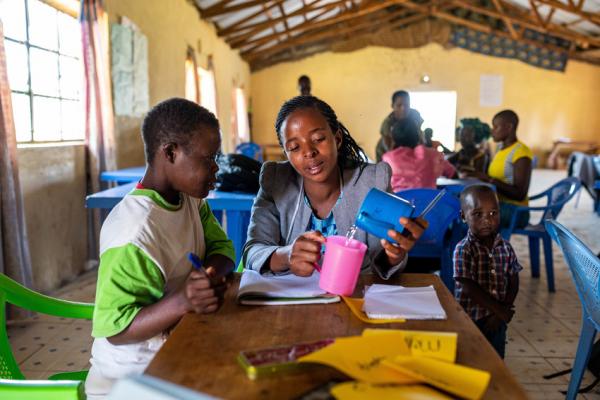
x=497, y=339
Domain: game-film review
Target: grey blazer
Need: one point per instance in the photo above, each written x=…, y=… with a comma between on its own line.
x=279, y=214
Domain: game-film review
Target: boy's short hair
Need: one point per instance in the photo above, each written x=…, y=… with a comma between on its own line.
x=509, y=116
x=405, y=132
x=473, y=191
x=174, y=120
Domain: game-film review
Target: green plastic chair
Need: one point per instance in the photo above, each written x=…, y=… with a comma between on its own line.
x=13, y=384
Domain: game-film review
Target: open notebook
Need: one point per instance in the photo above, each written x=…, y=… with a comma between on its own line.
x=257, y=289
x=391, y=301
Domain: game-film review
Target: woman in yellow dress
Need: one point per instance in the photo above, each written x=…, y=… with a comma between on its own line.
x=510, y=169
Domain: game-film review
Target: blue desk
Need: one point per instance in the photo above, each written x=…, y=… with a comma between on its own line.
x=236, y=206
x=122, y=176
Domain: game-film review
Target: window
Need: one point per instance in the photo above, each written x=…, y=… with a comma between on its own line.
x=43, y=54
x=438, y=110
x=200, y=84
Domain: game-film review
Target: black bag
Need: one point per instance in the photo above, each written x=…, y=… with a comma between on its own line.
x=593, y=366
x=237, y=173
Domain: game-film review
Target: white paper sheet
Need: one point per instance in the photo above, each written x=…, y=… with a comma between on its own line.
x=392, y=301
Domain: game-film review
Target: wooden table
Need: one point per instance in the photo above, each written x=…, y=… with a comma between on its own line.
x=202, y=349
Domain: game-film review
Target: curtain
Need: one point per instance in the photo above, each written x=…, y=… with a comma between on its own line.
x=15, y=260
x=240, y=130
x=192, y=79
x=99, y=119
x=208, y=87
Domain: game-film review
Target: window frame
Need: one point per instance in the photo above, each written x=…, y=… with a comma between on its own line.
x=29, y=92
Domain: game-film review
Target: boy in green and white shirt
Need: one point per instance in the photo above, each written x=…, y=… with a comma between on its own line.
x=145, y=282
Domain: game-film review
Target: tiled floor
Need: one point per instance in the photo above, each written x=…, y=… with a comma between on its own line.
x=542, y=336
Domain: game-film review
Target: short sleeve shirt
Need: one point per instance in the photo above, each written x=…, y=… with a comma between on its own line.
x=144, y=243
x=502, y=166
x=490, y=268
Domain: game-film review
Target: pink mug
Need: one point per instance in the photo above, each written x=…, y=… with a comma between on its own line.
x=341, y=265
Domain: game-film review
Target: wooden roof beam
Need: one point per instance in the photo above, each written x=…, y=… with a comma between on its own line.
x=239, y=24
x=250, y=34
x=578, y=10
x=507, y=21
x=215, y=8
x=260, y=45
x=223, y=8
x=323, y=44
x=526, y=20
x=481, y=27
x=537, y=15
x=255, y=28
x=549, y=16
x=251, y=54
x=367, y=24
x=302, y=29
x=312, y=37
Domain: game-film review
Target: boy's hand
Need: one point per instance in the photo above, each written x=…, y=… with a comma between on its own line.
x=198, y=295
x=219, y=283
x=413, y=229
x=305, y=252
x=506, y=313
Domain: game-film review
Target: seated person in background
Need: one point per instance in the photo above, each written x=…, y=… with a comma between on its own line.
x=436, y=144
x=470, y=157
x=414, y=165
x=401, y=109
x=485, y=266
x=510, y=169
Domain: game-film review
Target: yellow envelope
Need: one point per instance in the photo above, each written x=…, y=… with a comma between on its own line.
x=362, y=390
x=469, y=383
x=360, y=357
x=440, y=345
x=356, y=305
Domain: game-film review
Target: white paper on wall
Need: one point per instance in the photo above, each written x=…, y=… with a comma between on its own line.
x=490, y=90
x=129, y=70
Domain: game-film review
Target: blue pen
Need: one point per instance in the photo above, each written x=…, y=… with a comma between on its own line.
x=196, y=262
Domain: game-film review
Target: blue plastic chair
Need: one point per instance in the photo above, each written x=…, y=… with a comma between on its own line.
x=436, y=242
x=250, y=149
x=585, y=269
x=556, y=196
x=597, y=199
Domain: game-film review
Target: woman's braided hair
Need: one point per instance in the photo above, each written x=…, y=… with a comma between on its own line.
x=350, y=154
x=481, y=130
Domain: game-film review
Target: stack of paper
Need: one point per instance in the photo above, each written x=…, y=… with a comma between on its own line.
x=257, y=289
x=384, y=362
x=391, y=301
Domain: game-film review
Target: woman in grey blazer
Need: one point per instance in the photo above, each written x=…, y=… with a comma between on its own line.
x=322, y=185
